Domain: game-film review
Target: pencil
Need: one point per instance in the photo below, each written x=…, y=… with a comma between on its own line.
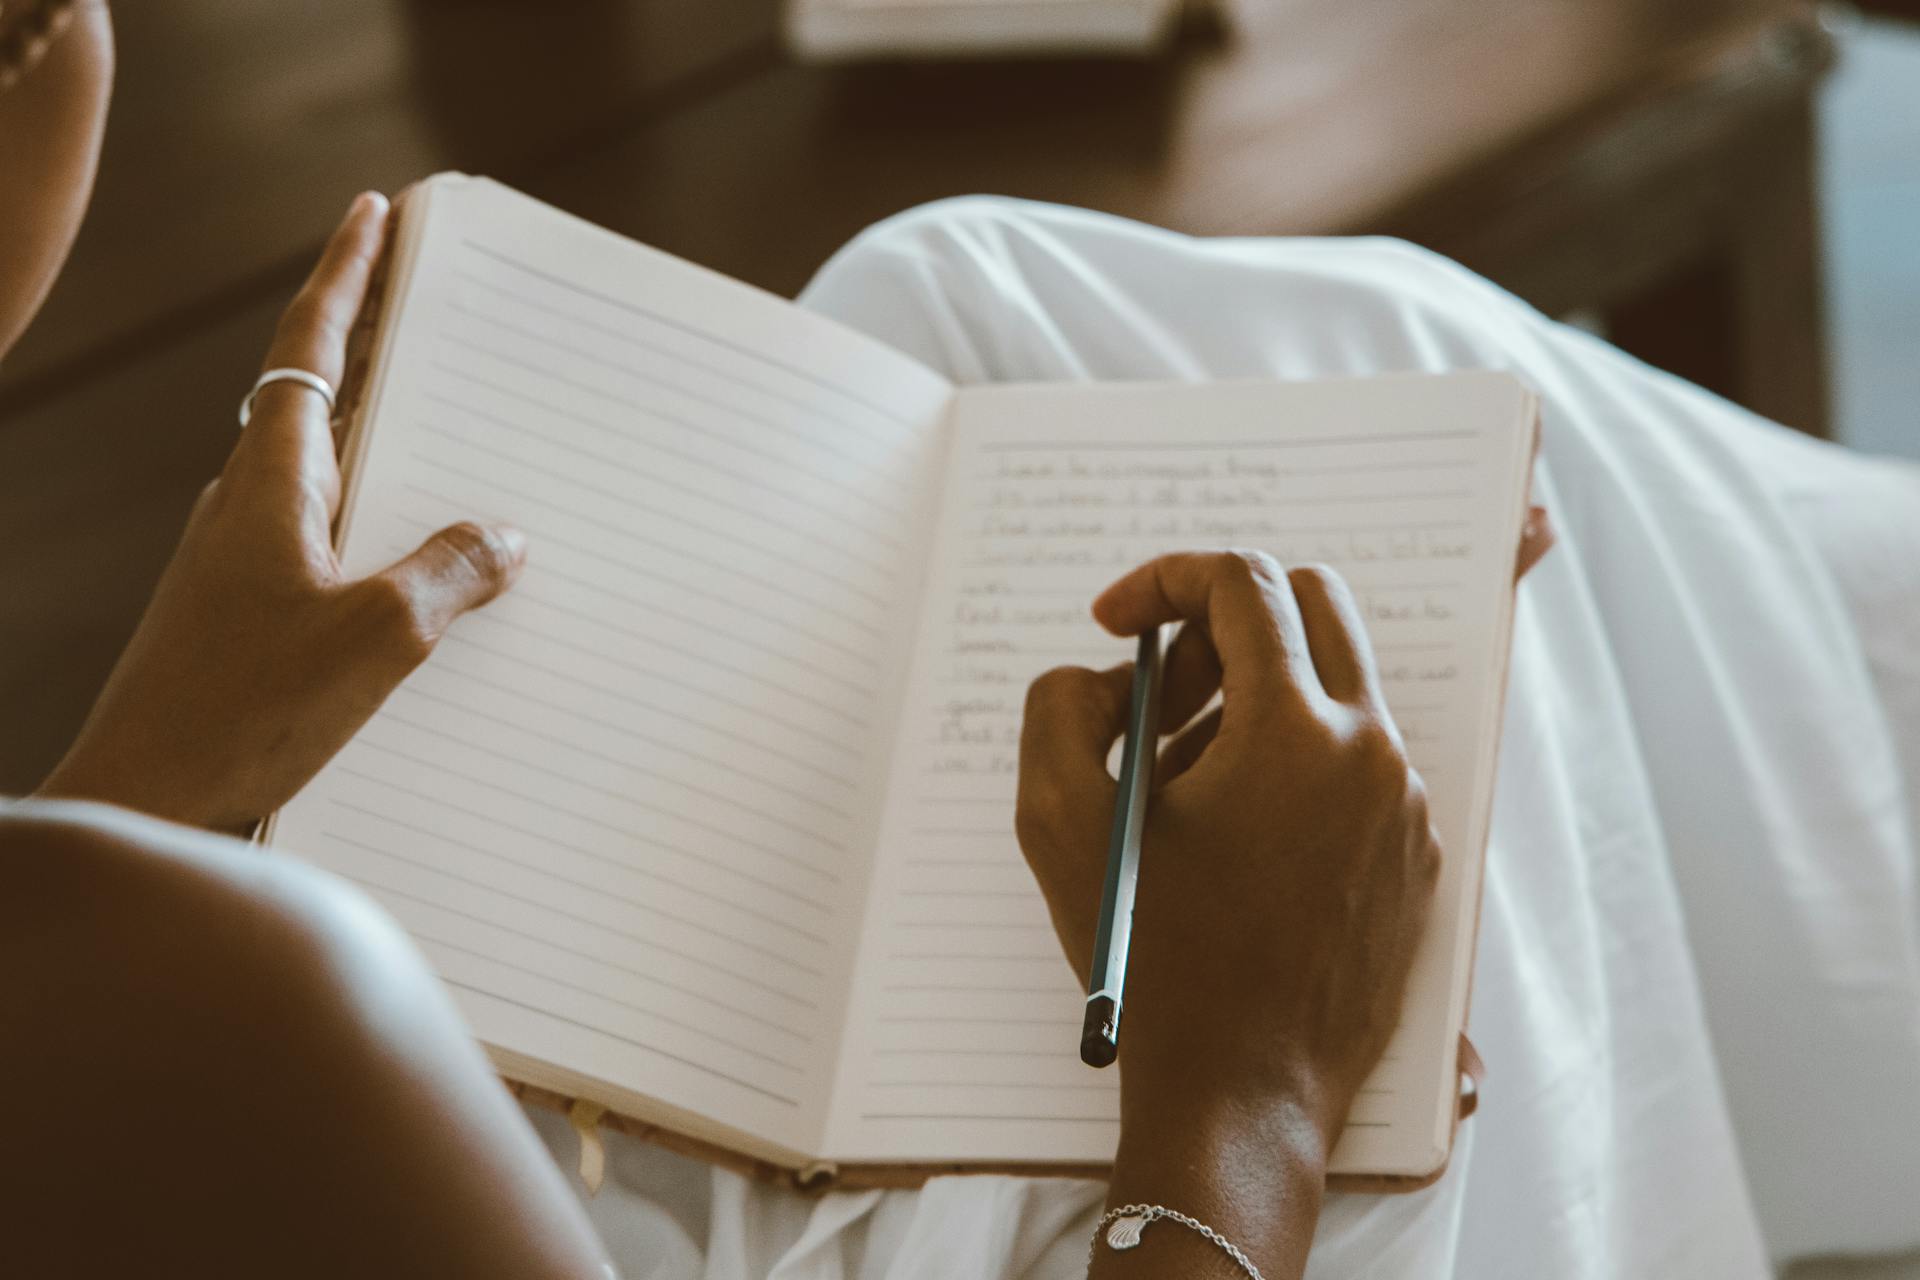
x=1107, y=976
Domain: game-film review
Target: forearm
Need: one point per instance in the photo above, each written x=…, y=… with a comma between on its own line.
x=1255, y=1173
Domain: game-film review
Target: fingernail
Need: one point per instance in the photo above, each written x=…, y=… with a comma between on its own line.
x=513, y=540
x=365, y=202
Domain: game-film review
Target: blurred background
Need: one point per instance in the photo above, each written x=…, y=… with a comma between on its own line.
x=1729, y=188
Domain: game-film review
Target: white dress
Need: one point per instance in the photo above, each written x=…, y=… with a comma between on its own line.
x=1698, y=987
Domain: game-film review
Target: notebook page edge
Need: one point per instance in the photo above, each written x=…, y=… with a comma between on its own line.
x=410, y=213
x=1526, y=417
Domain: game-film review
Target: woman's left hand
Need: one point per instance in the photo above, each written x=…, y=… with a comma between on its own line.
x=257, y=659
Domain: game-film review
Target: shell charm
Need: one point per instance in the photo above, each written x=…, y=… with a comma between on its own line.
x=1125, y=1232
x=1124, y=1225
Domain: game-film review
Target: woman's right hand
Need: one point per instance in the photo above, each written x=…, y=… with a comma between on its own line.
x=1288, y=866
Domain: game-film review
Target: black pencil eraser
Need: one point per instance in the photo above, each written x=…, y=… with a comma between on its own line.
x=1100, y=1033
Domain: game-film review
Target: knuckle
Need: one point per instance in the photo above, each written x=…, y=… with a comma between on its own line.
x=1256, y=568
x=1417, y=802
x=1053, y=688
x=390, y=611
x=310, y=319
x=301, y=315
x=1039, y=811
x=203, y=504
x=1032, y=823
x=331, y=328
x=1379, y=758
x=1320, y=578
x=1428, y=858
x=478, y=549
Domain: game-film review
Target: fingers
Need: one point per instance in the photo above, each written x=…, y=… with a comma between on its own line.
x=459, y=568
x=313, y=330
x=1179, y=755
x=1336, y=640
x=1337, y=636
x=291, y=433
x=1537, y=537
x=1243, y=599
x=1072, y=718
x=1189, y=676
x=357, y=363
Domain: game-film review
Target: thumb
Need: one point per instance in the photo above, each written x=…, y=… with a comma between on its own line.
x=459, y=568
x=1537, y=537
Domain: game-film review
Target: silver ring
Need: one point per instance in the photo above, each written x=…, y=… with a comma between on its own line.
x=311, y=381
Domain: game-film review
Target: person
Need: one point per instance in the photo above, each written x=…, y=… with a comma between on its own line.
x=256, y=661
x=197, y=973
x=56, y=74
x=1703, y=837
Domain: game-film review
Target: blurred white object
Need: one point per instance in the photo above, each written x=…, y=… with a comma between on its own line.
x=827, y=30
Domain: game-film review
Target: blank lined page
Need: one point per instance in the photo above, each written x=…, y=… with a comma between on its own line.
x=965, y=1023
x=627, y=809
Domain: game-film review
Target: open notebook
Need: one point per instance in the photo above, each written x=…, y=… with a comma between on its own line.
x=710, y=818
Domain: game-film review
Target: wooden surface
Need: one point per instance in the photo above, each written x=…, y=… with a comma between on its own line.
x=1505, y=131
x=240, y=131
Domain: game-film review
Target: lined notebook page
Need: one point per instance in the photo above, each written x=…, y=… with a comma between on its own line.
x=627, y=810
x=965, y=1020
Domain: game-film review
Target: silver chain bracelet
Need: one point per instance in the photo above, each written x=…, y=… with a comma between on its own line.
x=1123, y=1227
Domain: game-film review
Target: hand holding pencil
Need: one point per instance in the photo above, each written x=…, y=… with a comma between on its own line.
x=1287, y=859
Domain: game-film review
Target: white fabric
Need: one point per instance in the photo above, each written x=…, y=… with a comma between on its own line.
x=1699, y=978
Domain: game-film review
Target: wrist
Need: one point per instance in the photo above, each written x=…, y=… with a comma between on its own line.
x=1193, y=1090
x=83, y=775
x=1251, y=1168
x=1278, y=1137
